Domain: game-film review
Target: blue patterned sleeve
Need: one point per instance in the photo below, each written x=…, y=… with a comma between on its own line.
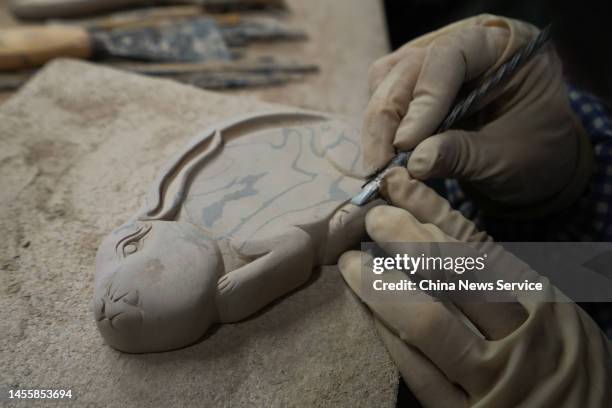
x=590, y=218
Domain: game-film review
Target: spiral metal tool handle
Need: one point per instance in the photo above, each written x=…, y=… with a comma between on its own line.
x=369, y=191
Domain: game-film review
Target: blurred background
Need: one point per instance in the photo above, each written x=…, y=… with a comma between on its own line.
x=581, y=29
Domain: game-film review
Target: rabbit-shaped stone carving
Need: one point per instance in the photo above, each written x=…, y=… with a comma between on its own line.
x=238, y=219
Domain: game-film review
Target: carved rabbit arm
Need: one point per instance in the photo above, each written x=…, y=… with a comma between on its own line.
x=283, y=263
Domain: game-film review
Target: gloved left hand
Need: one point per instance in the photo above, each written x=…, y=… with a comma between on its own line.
x=527, y=352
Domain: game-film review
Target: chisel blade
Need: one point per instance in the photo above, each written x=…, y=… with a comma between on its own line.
x=195, y=40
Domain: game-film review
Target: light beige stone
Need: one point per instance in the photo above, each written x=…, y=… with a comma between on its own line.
x=80, y=145
x=239, y=218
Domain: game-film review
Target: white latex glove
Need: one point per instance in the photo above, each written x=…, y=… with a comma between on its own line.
x=524, y=148
x=533, y=354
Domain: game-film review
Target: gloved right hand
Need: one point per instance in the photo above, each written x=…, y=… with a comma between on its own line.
x=525, y=155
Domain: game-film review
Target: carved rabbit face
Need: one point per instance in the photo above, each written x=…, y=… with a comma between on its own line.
x=158, y=286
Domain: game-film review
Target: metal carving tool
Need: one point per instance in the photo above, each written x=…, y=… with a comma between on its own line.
x=192, y=41
x=247, y=31
x=369, y=191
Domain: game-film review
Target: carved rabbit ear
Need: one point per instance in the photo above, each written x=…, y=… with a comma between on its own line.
x=169, y=190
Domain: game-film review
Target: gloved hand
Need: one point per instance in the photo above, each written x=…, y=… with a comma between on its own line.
x=529, y=353
x=524, y=149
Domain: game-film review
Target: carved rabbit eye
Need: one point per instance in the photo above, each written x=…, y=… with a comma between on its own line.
x=133, y=241
x=130, y=248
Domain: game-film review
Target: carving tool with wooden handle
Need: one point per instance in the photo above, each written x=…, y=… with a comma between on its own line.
x=45, y=9
x=193, y=41
x=208, y=75
x=149, y=16
x=237, y=29
x=252, y=66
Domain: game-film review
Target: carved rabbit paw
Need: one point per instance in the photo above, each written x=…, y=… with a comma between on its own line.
x=226, y=284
